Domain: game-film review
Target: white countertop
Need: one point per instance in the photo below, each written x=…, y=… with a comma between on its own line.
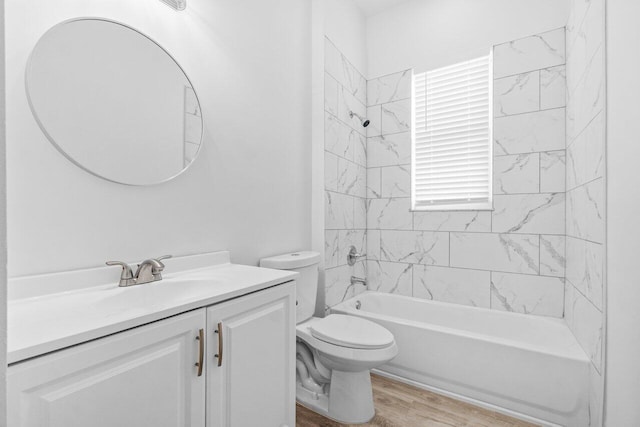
x=41, y=323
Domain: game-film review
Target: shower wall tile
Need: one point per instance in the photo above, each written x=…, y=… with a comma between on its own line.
x=585, y=264
x=333, y=61
x=348, y=238
x=587, y=99
x=354, y=81
x=330, y=94
x=337, y=285
x=585, y=321
x=336, y=137
x=529, y=213
x=351, y=178
x=396, y=117
x=347, y=177
x=359, y=213
x=339, y=67
x=359, y=143
x=519, y=293
x=345, y=167
x=585, y=156
x=516, y=253
x=389, y=277
x=552, y=171
x=516, y=174
x=553, y=92
x=331, y=248
x=389, y=150
x=374, y=183
x=415, y=247
x=452, y=221
x=373, y=245
x=389, y=88
x=348, y=103
x=552, y=256
x=583, y=43
x=530, y=132
x=389, y=214
x=374, y=114
x=585, y=181
x=453, y=285
x=585, y=211
x=396, y=181
x=330, y=171
x=529, y=53
x=338, y=211
x=516, y=94
x=577, y=12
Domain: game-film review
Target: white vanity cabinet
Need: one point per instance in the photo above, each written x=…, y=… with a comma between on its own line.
x=251, y=360
x=148, y=376
x=142, y=377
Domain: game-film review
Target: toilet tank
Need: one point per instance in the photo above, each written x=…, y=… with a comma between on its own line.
x=305, y=263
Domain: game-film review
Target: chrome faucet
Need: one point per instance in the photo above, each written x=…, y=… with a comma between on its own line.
x=353, y=256
x=149, y=270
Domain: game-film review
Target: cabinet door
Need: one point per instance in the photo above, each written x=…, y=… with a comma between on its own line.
x=252, y=384
x=142, y=377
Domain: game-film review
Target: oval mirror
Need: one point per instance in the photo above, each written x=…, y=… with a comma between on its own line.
x=114, y=102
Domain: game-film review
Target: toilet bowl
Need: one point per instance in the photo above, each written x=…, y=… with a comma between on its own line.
x=349, y=398
x=334, y=353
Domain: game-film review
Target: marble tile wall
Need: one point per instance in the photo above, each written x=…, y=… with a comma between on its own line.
x=585, y=183
x=511, y=258
x=345, y=174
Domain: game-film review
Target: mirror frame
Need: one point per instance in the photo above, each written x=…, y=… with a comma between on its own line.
x=28, y=69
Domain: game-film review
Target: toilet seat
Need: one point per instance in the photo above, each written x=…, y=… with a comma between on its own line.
x=350, y=358
x=351, y=332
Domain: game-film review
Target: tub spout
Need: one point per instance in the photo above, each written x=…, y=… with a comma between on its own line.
x=355, y=280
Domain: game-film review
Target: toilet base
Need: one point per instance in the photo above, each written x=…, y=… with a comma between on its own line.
x=350, y=398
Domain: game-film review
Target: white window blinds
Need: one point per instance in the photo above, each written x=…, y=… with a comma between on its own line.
x=451, y=155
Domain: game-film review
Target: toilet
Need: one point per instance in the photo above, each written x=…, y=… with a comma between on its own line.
x=334, y=353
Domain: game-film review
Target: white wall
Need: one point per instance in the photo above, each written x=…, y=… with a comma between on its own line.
x=248, y=191
x=623, y=211
x=345, y=25
x=426, y=34
x=3, y=231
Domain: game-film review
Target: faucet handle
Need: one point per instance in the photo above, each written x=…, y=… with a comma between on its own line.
x=126, y=277
x=353, y=256
x=158, y=265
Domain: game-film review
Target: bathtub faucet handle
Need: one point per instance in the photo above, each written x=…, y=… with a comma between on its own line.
x=353, y=256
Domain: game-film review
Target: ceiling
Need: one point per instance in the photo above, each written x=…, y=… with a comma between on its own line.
x=372, y=7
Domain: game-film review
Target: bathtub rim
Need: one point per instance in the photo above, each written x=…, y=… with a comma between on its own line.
x=575, y=353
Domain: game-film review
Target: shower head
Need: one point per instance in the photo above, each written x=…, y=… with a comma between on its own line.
x=365, y=122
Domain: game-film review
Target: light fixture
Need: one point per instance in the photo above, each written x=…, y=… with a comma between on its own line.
x=176, y=4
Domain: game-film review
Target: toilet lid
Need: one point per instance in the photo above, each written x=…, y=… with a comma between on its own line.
x=352, y=332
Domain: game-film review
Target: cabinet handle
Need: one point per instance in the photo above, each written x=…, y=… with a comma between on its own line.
x=219, y=332
x=200, y=362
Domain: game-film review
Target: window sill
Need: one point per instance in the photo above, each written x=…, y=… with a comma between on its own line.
x=452, y=208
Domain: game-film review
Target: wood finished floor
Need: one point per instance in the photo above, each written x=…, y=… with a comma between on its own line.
x=402, y=405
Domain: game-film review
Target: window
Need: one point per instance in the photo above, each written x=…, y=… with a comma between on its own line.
x=451, y=144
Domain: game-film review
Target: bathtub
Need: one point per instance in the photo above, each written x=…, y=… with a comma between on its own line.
x=526, y=366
